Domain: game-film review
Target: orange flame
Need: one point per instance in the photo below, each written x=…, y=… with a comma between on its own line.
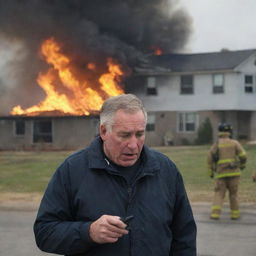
x=80, y=98
x=157, y=50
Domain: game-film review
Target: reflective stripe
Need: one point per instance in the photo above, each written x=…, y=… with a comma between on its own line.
x=231, y=174
x=225, y=145
x=216, y=207
x=235, y=214
x=224, y=133
x=228, y=160
x=215, y=216
x=242, y=154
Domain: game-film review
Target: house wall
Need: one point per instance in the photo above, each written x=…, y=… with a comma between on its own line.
x=169, y=98
x=247, y=101
x=167, y=123
x=253, y=126
x=68, y=133
x=74, y=133
x=8, y=139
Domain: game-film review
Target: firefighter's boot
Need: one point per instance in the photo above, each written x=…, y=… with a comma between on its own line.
x=235, y=214
x=216, y=211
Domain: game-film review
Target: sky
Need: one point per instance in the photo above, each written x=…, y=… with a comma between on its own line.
x=219, y=24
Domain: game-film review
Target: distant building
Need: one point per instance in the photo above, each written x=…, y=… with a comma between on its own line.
x=181, y=90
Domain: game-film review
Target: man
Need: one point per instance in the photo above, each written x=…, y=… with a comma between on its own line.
x=83, y=209
x=225, y=160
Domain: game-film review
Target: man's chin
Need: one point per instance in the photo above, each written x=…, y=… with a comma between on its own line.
x=127, y=163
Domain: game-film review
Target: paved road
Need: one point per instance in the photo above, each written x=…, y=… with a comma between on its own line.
x=226, y=237
x=215, y=238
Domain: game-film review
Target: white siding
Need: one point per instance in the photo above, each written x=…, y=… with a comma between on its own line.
x=203, y=99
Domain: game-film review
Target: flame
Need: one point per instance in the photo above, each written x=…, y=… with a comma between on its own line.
x=80, y=98
x=157, y=50
x=108, y=81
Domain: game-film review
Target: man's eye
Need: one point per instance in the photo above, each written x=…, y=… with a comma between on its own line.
x=125, y=135
x=140, y=134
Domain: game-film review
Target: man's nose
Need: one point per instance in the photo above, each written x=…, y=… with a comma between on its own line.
x=133, y=142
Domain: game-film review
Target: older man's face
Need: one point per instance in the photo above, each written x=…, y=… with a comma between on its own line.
x=124, y=143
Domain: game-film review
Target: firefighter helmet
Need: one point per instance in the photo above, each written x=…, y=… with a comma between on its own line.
x=224, y=127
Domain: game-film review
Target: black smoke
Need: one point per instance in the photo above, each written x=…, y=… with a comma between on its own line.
x=91, y=30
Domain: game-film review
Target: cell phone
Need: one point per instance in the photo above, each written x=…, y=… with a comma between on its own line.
x=127, y=220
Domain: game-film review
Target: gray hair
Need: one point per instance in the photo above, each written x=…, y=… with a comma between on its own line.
x=127, y=102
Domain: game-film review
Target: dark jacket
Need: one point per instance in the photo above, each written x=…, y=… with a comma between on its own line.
x=86, y=186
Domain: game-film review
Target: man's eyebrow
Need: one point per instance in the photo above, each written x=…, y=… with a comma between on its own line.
x=124, y=132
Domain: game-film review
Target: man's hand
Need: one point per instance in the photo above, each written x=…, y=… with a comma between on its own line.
x=107, y=229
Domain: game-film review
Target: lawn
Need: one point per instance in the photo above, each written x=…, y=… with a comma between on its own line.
x=29, y=172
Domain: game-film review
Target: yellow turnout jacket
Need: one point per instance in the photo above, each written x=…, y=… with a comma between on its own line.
x=226, y=158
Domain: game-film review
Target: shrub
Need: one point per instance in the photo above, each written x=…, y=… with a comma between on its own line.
x=205, y=133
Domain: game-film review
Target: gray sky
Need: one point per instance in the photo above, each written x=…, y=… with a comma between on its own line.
x=221, y=24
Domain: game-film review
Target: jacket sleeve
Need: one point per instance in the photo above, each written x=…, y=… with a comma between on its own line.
x=241, y=155
x=183, y=224
x=211, y=157
x=55, y=228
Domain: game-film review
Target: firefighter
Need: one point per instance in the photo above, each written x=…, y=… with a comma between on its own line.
x=226, y=159
x=254, y=177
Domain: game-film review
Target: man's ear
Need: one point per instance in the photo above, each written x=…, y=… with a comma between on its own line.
x=103, y=132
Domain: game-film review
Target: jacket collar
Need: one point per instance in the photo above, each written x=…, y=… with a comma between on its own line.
x=97, y=158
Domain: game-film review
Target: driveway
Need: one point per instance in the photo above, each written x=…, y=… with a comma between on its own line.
x=215, y=238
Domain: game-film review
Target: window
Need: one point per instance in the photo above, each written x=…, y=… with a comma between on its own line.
x=248, y=82
x=187, y=122
x=151, y=122
x=218, y=83
x=42, y=131
x=186, y=84
x=19, y=127
x=151, y=86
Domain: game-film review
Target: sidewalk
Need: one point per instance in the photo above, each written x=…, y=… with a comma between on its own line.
x=215, y=238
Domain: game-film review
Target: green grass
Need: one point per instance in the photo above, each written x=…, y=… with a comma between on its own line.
x=29, y=172
x=191, y=161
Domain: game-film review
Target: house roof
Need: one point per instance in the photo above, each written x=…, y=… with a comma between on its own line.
x=224, y=60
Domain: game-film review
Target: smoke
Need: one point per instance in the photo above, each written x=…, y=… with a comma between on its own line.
x=91, y=30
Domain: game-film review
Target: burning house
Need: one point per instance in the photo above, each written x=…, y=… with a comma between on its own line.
x=69, y=56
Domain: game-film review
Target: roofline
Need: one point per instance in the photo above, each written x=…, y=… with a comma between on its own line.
x=187, y=72
x=240, y=64
x=207, y=53
x=22, y=117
